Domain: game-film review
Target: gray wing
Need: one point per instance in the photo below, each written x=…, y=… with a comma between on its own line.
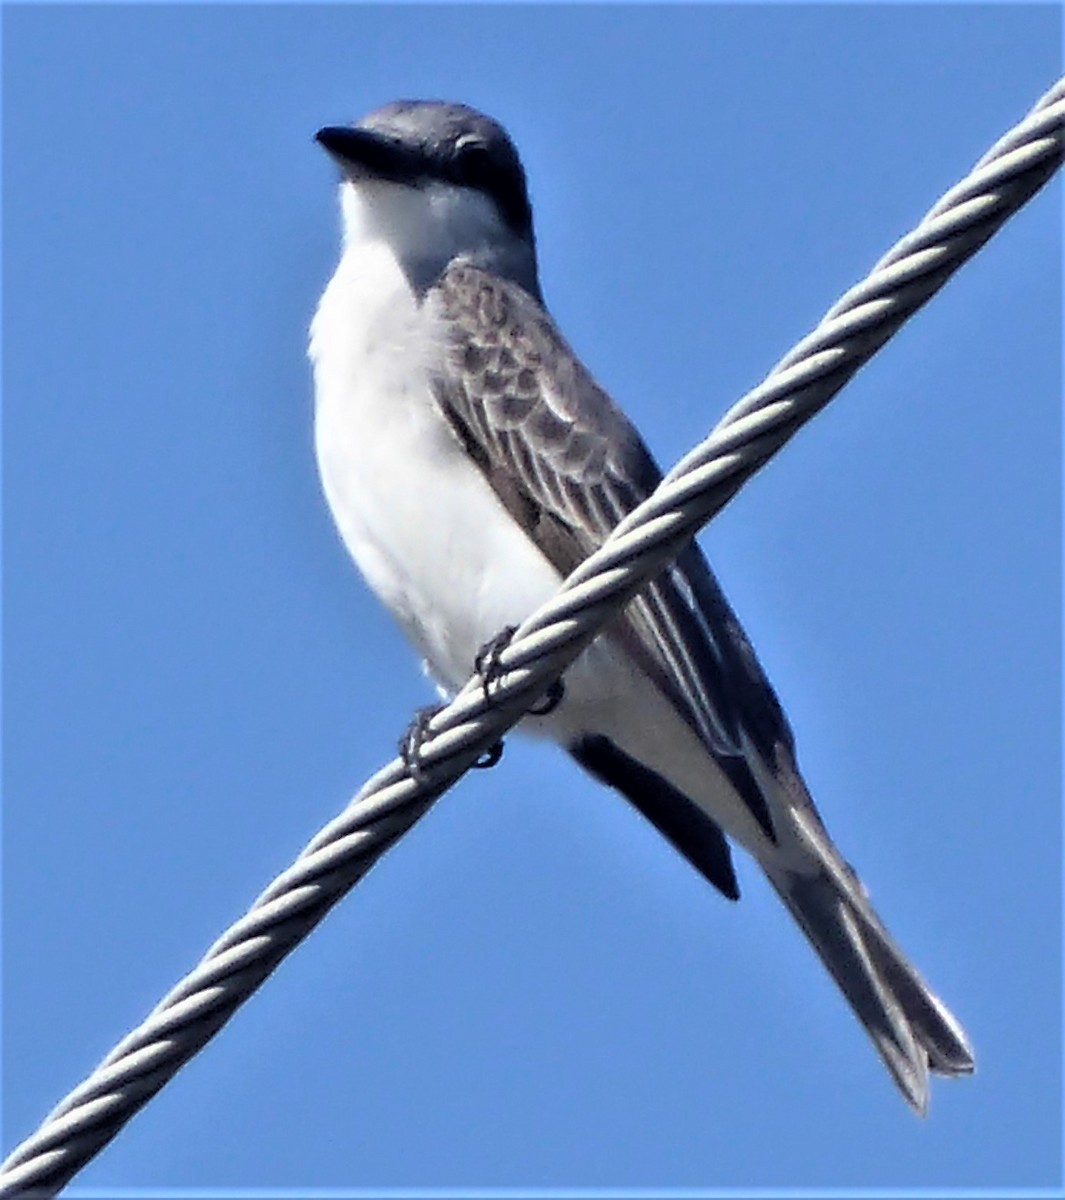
x=568, y=465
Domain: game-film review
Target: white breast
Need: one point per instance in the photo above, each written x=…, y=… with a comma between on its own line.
x=432, y=538
x=414, y=511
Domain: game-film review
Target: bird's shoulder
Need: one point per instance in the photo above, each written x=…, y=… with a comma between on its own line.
x=510, y=371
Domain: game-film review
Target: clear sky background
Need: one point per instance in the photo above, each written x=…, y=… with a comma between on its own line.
x=531, y=989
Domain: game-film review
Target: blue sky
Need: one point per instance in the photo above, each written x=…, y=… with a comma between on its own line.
x=532, y=989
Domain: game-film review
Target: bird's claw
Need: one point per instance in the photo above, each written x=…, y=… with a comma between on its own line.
x=410, y=744
x=490, y=757
x=551, y=700
x=487, y=664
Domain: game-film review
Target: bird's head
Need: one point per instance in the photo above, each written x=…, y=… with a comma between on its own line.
x=435, y=180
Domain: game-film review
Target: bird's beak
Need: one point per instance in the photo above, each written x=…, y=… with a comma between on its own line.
x=363, y=154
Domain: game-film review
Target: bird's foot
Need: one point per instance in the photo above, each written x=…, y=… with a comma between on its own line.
x=490, y=757
x=552, y=698
x=486, y=661
x=410, y=744
x=487, y=664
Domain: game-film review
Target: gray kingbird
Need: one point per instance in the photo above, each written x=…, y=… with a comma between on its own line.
x=471, y=462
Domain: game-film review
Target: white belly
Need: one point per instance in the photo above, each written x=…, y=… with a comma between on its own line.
x=436, y=545
x=416, y=514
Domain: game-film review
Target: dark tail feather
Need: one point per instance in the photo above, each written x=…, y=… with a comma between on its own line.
x=910, y=1027
x=683, y=823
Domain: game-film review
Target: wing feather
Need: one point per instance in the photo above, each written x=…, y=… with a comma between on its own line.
x=569, y=465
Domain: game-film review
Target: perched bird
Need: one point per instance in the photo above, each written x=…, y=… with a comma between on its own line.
x=471, y=462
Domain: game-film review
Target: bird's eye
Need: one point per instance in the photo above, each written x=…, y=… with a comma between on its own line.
x=473, y=161
x=486, y=168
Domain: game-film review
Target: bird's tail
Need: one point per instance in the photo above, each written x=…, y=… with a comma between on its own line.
x=911, y=1028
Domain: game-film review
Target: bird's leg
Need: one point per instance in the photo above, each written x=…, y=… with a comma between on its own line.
x=487, y=665
x=410, y=744
x=486, y=661
x=490, y=757
x=551, y=700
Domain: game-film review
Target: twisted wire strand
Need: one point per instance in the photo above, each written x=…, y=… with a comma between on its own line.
x=645, y=541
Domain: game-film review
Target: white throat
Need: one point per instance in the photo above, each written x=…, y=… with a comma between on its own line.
x=427, y=227
x=414, y=510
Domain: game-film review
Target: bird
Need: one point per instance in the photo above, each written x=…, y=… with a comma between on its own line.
x=471, y=461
